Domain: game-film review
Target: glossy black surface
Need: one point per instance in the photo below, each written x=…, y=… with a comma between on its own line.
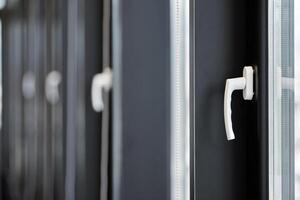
x=228, y=36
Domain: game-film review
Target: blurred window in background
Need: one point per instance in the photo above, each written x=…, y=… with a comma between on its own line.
x=2, y=3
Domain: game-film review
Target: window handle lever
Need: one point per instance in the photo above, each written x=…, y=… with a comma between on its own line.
x=102, y=82
x=244, y=83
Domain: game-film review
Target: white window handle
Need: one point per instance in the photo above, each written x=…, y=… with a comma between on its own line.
x=101, y=82
x=53, y=80
x=244, y=83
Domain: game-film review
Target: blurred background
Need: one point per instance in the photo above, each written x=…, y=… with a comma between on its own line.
x=50, y=128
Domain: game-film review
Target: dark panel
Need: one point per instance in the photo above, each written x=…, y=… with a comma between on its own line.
x=257, y=53
x=228, y=169
x=12, y=26
x=93, y=65
x=192, y=99
x=145, y=166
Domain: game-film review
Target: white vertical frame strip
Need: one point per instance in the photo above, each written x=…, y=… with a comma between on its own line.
x=275, y=149
x=180, y=98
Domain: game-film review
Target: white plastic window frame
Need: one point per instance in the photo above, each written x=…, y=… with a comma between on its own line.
x=180, y=99
x=281, y=100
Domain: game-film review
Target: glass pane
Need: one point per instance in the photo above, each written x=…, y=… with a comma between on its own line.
x=281, y=99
